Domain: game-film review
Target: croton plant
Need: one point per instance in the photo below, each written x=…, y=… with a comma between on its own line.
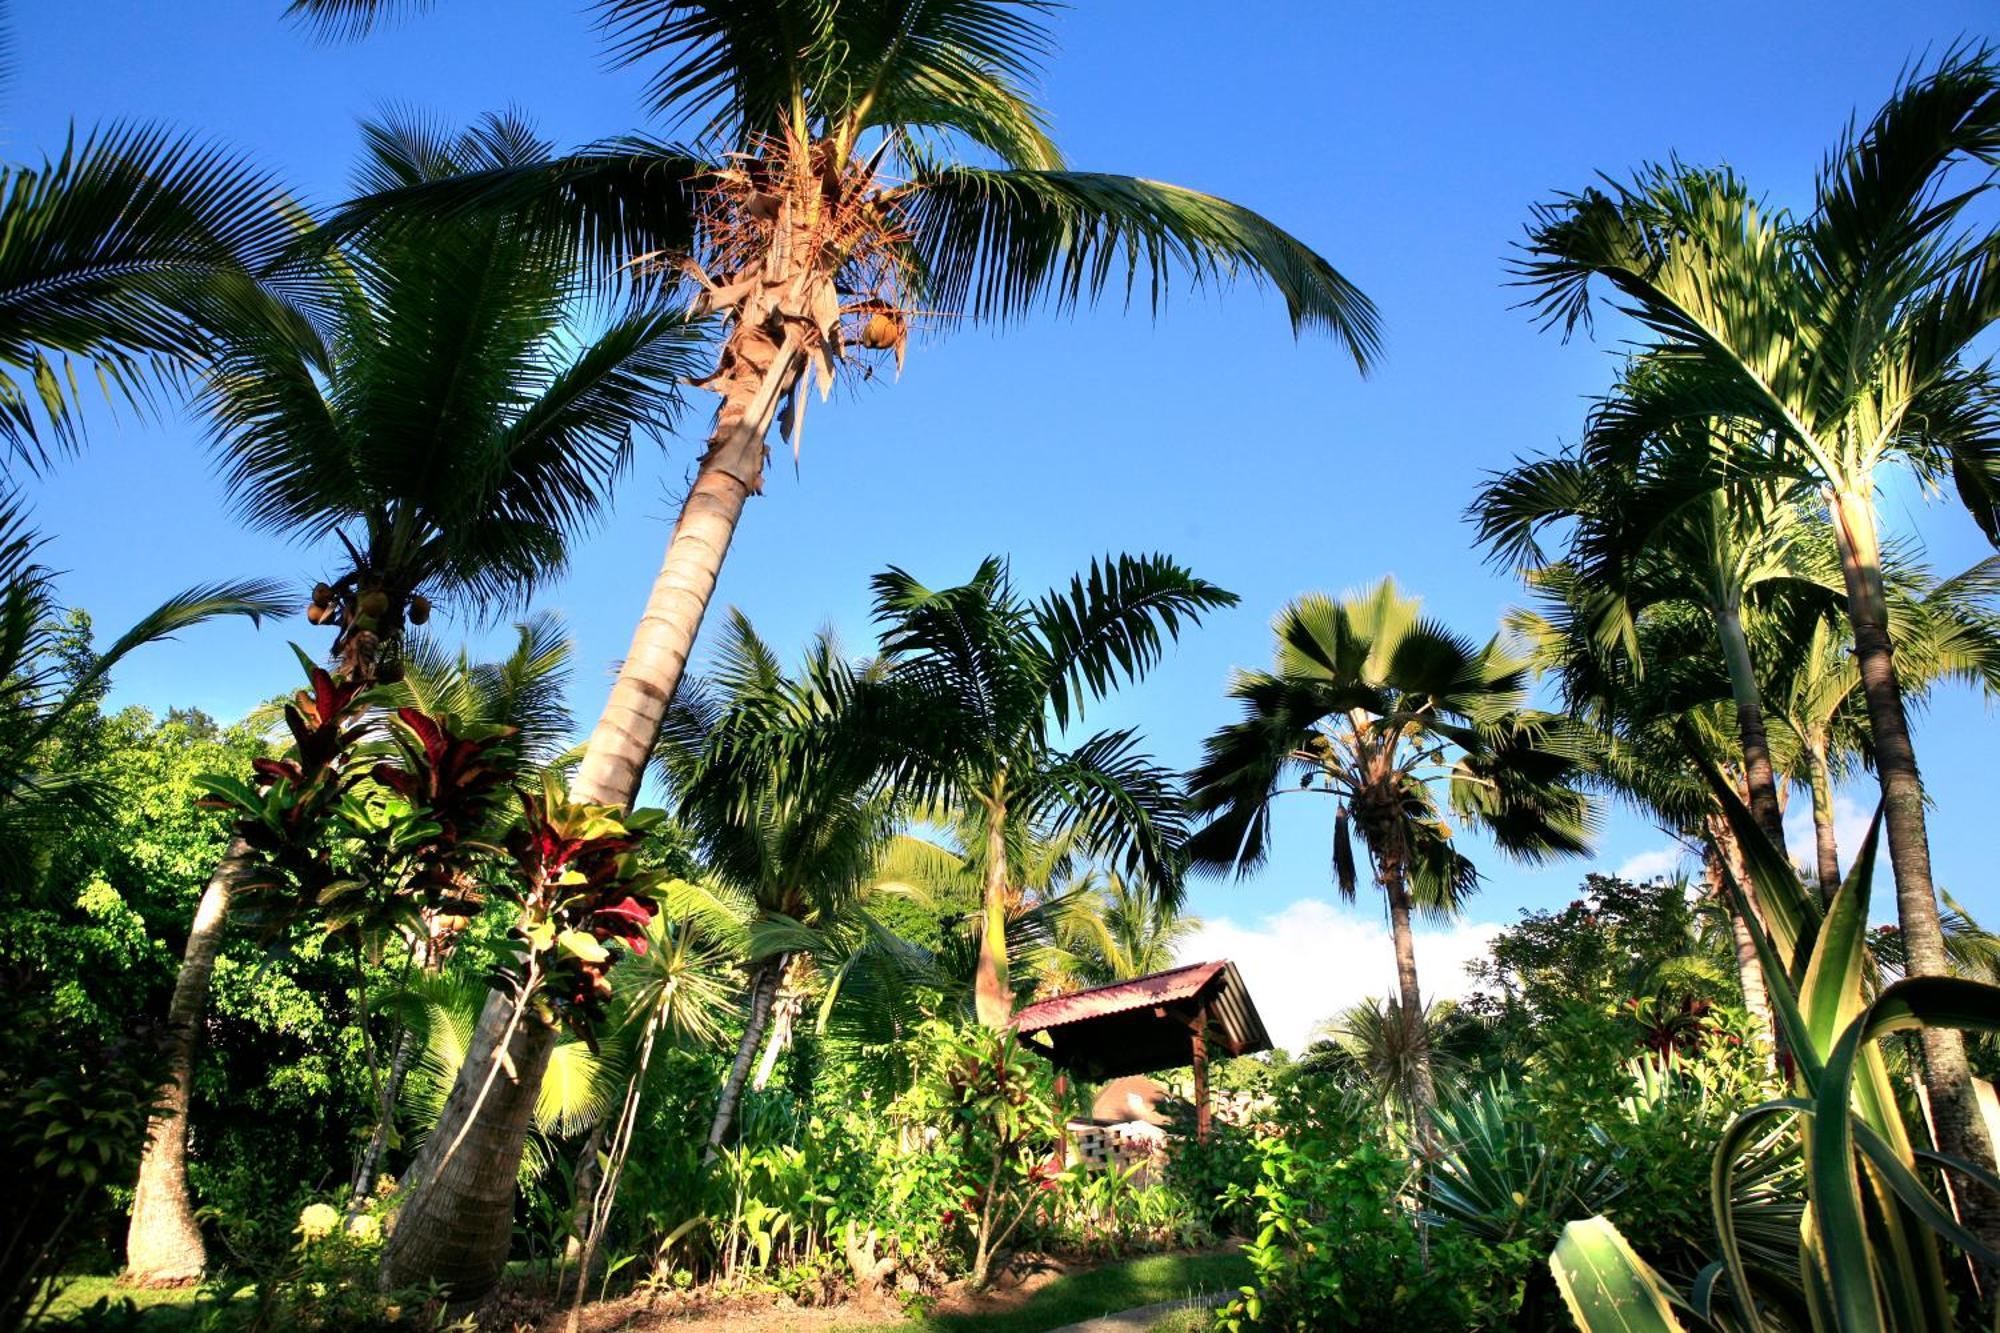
x=377, y=826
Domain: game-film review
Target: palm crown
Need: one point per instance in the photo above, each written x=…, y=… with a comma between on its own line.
x=450, y=427
x=982, y=682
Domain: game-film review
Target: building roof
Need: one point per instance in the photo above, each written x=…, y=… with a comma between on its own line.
x=1144, y=1025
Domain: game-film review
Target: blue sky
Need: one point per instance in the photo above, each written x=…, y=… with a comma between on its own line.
x=1406, y=143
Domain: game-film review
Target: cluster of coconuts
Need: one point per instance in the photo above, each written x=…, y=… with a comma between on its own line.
x=369, y=607
x=883, y=331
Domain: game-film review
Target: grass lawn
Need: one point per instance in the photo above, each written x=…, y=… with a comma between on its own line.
x=165, y=1308
x=1101, y=1291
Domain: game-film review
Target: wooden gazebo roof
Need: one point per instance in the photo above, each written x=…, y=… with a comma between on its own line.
x=1147, y=1024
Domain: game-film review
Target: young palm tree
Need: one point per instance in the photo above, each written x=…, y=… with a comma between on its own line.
x=1115, y=930
x=784, y=810
x=452, y=432
x=1840, y=340
x=983, y=682
x=1397, y=719
x=122, y=257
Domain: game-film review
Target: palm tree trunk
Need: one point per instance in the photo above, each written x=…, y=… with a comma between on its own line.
x=1392, y=871
x=1759, y=777
x=993, y=991
x=763, y=990
x=1749, y=969
x=458, y=1216
x=1826, y=847
x=163, y=1246
x=784, y=1013
x=756, y=369
x=1948, y=1078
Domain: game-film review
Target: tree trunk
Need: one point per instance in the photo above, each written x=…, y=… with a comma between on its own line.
x=1749, y=700
x=784, y=1014
x=1392, y=873
x=1826, y=847
x=756, y=368
x=763, y=990
x=163, y=1246
x=458, y=1215
x=369, y=1169
x=1749, y=969
x=993, y=991
x=465, y=1243
x=1948, y=1078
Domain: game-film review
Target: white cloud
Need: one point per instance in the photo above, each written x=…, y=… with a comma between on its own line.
x=1653, y=864
x=1314, y=959
x=1850, y=826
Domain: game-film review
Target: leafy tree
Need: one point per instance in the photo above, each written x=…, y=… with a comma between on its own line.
x=1385, y=711
x=984, y=680
x=1117, y=928
x=1840, y=341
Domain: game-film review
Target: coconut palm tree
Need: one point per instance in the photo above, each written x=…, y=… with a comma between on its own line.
x=452, y=433
x=1398, y=720
x=984, y=682
x=824, y=209
x=121, y=257
x=1841, y=341
x=820, y=212
x=784, y=809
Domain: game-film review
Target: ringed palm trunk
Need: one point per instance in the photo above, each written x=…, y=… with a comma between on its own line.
x=1393, y=875
x=993, y=991
x=1947, y=1077
x=755, y=367
x=459, y=1211
x=1749, y=968
x=763, y=992
x=1826, y=847
x=1759, y=776
x=163, y=1246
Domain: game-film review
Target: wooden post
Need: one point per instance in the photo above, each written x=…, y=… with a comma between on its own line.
x=1062, y=1117
x=1201, y=1075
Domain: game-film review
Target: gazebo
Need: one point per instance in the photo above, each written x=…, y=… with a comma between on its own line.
x=1163, y=1021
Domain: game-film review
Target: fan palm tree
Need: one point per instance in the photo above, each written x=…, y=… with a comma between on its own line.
x=1840, y=340
x=983, y=683
x=123, y=256
x=1370, y=1049
x=1397, y=719
x=452, y=433
x=783, y=809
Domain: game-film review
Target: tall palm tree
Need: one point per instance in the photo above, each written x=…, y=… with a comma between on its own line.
x=820, y=212
x=1397, y=719
x=983, y=684
x=1942, y=629
x=784, y=808
x=452, y=433
x=122, y=257
x=1840, y=340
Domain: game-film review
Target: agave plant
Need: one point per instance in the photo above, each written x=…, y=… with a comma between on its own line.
x=1869, y=1252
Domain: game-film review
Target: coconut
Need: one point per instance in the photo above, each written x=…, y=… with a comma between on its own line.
x=883, y=331
x=318, y=614
x=420, y=609
x=322, y=594
x=372, y=603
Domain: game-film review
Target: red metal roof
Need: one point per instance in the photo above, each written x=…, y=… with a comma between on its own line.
x=1177, y=983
